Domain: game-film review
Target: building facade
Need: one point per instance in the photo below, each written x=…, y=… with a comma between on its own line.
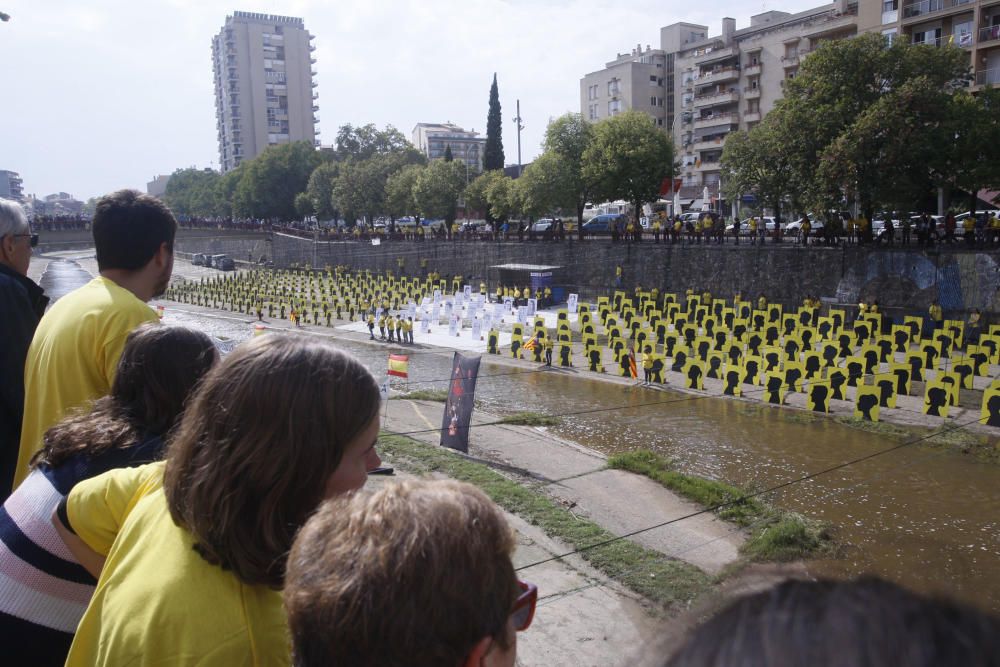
x=158, y=186
x=11, y=185
x=265, y=92
x=971, y=24
x=637, y=80
x=433, y=139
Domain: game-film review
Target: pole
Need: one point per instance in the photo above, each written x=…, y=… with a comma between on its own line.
x=518, y=119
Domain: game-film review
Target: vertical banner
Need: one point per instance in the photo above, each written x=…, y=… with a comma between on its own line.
x=522, y=314
x=467, y=289
x=458, y=408
x=454, y=325
x=477, y=329
x=532, y=307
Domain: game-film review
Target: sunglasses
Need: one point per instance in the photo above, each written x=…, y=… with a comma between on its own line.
x=33, y=237
x=524, y=607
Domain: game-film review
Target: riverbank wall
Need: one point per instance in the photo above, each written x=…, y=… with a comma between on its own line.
x=903, y=281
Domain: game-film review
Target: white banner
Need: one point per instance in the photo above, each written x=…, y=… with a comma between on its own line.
x=522, y=314
x=468, y=291
x=532, y=307
x=477, y=329
x=508, y=304
x=571, y=303
x=453, y=325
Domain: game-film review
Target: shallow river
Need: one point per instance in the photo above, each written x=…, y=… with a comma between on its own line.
x=928, y=518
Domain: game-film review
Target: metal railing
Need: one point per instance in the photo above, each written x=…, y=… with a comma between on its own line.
x=988, y=76
x=989, y=33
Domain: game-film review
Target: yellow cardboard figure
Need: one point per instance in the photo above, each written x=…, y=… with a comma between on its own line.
x=694, y=373
x=774, y=389
x=886, y=383
x=936, y=399
x=731, y=380
x=901, y=371
x=818, y=396
x=866, y=403
x=990, y=413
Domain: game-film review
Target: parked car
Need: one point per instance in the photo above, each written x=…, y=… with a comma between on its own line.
x=225, y=263
x=198, y=259
x=406, y=221
x=214, y=260
x=543, y=225
x=768, y=220
x=794, y=228
x=600, y=223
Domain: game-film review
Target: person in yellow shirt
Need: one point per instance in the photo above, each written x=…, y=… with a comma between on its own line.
x=371, y=325
x=75, y=350
x=390, y=326
x=647, y=366
x=191, y=552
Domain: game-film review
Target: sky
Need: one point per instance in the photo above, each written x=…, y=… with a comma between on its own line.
x=107, y=94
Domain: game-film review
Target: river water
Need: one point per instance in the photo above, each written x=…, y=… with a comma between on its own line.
x=925, y=517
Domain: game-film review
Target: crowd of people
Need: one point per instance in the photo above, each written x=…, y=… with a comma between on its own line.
x=163, y=505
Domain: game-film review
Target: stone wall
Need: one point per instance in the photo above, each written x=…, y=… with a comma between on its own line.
x=902, y=281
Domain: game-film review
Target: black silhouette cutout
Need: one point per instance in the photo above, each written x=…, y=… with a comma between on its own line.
x=830, y=355
x=595, y=359
x=732, y=380
x=837, y=381
x=902, y=339
x=694, y=375
x=886, y=388
x=750, y=371
x=564, y=355
x=871, y=361
x=807, y=339
x=792, y=377
x=714, y=364
x=993, y=407
x=657, y=371
x=819, y=393
x=771, y=361
x=936, y=399
x=865, y=404
x=812, y=366
x=902, y=379
x=774, y=390
x=824, y=329
x=680, y=360
x=854, y=372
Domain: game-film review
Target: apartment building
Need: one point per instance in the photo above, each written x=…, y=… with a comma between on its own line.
x=971, y=24
x=730, y=81
x=637, y=80
x=11, y=185
x=265, y=91
x=433, y=139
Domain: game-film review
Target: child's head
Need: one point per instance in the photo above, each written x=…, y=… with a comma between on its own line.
x=279, y=425
x=415, y=573
x=159, y=368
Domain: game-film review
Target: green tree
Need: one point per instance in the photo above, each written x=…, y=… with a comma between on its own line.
x=503, y=197
x=304, y=205
x=475, y=192
x=399, y=188
x=971, y=162
x=569, y=136
x=447, y=153
x=437, y=189
x=192, y=191
x=273, y=179
x=628, y=159
x=366, y=141
x=834, y=89
x=320, y=190
x=225, y=190
x=754, y=162
x=493, y=151
x=549, y=183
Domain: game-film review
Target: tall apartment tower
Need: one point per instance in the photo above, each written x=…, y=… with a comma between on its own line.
x=265, y=94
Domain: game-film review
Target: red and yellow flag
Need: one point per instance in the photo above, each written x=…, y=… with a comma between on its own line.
x=631, y=364
x=399, y=365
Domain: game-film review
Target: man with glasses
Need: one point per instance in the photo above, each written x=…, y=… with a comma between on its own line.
x=22, y=303
x=416, y=573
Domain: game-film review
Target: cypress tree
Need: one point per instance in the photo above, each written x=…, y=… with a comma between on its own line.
x=447, y=153
x=493, y=152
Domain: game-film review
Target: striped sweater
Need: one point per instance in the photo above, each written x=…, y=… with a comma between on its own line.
x=43, y=589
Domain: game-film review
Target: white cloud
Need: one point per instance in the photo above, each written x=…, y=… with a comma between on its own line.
x=111, y=93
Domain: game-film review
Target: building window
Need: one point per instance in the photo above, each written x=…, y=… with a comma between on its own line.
x=659, y=122
x=613, y=87
x=889, y=36
x=592, y=112
x=614, y=107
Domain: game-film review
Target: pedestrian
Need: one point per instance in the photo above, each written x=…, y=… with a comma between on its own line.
x=906, y=223
x=43, y=588
x=736, y=230
x=371, y=326
x=75, y=350
x=548, y=344
x=22, y=303
x=805, y=229
x=194, y=548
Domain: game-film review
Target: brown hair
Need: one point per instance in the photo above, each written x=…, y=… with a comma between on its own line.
x=158, y=369
x=828, y=623
x=129, y=227
x=252, y=456
x=415, y=573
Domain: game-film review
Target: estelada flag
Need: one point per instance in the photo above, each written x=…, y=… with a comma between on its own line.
x=631, y=364
x=399, y=365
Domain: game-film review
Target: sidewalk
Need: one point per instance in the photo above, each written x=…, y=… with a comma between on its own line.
x=583, y=618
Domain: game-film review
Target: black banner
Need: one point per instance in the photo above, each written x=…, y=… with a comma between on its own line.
x=458, y=408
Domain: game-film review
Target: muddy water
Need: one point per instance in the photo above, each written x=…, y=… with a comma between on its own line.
x=61, y=277
x=927, y=518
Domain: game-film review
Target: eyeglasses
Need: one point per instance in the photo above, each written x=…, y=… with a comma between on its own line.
x=524, y=607
x=33, y=237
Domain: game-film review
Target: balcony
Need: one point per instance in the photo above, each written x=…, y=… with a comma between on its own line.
x=752, y=70
x=751, y=93
x=709, y=144
x=716, y=99
x=988, y=76
x=965, y=41
x=711, y=55
x=751, y=117
x=928, y=7
x=314, y=84
x=990, y=33
x=718, y=76
x=704, y=166
x=315, y=95
x=315, y=108
x=716, y=120
x=791, y=60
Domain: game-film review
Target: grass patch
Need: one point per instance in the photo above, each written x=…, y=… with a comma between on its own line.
x=663, y=580
x=529, y=419
x=882, y=428
x=775, y=535
x=440, y=395
x=799, y=417
x=945, y=437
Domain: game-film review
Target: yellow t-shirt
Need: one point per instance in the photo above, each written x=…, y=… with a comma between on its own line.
x=73, y=357
x=157, y=601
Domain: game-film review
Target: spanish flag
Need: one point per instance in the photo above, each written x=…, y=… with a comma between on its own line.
x=399, y=365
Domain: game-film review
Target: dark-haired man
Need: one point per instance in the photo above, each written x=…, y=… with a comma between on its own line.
x=75, y=350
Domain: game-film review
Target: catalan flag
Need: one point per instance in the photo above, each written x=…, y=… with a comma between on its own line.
x=531, y=344
x=631, y=364
x=399, y=365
